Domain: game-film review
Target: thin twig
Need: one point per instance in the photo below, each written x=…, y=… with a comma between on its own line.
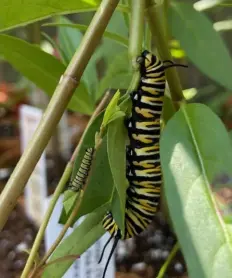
x=55, y=109
x=99, y=108
x=59, y=238
x=59, y=190
x=136, y=30
x=168, y=261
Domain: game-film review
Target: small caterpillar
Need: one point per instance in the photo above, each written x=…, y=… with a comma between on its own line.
x=143, y=155
x=78, y=182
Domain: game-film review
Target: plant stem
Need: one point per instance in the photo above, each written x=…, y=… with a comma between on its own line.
x=126, y=15
x=60, y=237
x=168, y=261
x=148, y=38
x=40, y=234
x=59, y=190
x=55, y=109
x=136, y=30
x=159, y=34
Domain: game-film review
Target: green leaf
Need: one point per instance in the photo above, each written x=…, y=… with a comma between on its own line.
x=110, y=35
x=118, y=74
x=70, y=39
x=41, y=68
x=202, y=44
x=109, y=47
x=89, y=231
x=111, y=108
x=195, y=148
x=116, y=137
x=54, y=45
x=116, y=115
x=216, y=103
x=70, y=198
x=17, y=13
x=100, y=187
x=230, y=135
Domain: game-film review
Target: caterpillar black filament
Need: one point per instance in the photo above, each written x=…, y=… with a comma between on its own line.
x=78, y=182
x=143, y=155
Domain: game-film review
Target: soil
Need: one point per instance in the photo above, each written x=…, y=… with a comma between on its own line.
x=142, y=256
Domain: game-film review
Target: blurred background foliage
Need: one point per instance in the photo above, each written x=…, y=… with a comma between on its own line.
x=35, y=56
x=199, y=35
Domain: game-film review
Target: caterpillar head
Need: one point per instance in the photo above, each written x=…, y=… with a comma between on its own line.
x=146, y=59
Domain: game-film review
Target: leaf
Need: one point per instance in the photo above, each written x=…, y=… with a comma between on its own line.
x=116, y=115
x=89, y=231
x=207, y=4
x=100, y=187
x=216, y=103
x=70, y=198
x=202, y=44
x=111, y=108
x=118, y=74
x=31, y=11
x=195, y=148
x=168, y=109
x=110, y=35
x=70, y=39
x=109, y=47
x=41, y=68
x=116, y=137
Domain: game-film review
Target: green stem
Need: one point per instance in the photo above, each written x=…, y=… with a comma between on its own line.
x=126, y=15
x=136, y=30
x=168, y=261
x=159, y=34
x=33, y=33
x=40, y=234
x=55, y=109
x=60, y=236
x=99, y=108
x=148, y=38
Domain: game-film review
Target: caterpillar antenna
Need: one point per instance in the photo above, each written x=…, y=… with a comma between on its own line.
x=175, y=65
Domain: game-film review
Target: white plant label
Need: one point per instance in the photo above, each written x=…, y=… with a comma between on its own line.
x=87, y=265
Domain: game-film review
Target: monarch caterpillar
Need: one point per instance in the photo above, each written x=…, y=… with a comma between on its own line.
x=77, y=183
x=143, y=156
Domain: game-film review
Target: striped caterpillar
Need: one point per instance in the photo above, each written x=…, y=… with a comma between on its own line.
x=78, y=182
x=143, y=156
